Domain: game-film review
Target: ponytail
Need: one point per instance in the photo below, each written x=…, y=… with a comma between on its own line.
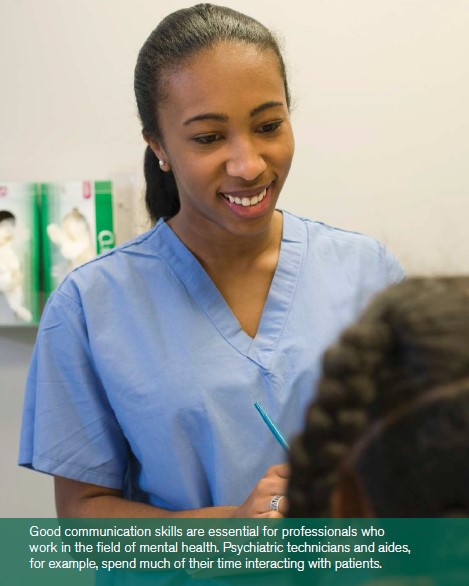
x=161, y=196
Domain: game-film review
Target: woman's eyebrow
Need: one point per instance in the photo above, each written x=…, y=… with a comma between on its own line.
x=265, y=106
x=207, y=116
x=224, y=117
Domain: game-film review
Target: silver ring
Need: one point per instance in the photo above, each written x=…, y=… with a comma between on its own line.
x=275, y=501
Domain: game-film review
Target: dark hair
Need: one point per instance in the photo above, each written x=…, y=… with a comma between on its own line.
x=178, y=37
x=6, y=215
x=393, y=404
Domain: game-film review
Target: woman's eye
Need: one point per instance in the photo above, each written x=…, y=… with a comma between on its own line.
x=271, y=127
x=206, y=138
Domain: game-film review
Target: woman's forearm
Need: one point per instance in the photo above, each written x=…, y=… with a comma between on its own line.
x=115, y=506
x=79, y=499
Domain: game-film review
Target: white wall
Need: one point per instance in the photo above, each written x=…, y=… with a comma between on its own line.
x=381, y=120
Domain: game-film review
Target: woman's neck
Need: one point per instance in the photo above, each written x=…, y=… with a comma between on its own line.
x=218, y=248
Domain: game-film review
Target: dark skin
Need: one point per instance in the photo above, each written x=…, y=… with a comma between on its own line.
x=80, y=499
x=244, y=283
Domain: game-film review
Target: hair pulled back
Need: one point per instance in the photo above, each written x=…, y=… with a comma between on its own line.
x=411, y=340
x=178, y=37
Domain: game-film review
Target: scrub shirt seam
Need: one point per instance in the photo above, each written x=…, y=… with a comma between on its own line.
x=100, y=257
x=202, y=309
x=277, y=343
x=214, y=487
x=136, y=241
x=164, y=259
x=297, y=279
x=78, y=306
x=335, y=231
x=80, y=469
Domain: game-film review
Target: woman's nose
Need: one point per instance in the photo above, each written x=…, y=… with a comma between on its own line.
x=245, y=161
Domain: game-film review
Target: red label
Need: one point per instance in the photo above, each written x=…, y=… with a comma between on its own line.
x=87, y=189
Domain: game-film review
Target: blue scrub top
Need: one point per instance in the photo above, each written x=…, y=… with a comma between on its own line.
x=143, y=380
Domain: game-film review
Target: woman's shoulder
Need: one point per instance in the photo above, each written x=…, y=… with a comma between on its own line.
x=350, y=249
x=321, y=230
x=116, y=267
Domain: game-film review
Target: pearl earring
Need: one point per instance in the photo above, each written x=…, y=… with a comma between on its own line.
x=162, y=164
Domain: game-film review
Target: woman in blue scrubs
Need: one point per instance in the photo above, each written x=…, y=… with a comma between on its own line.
x=149, y=359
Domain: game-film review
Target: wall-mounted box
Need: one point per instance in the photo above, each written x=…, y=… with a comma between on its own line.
x=19, y=254
x=77, y=225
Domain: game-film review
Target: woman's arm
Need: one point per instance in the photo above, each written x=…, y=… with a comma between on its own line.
x=80, y=499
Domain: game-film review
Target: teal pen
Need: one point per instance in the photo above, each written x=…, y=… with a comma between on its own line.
x=273, y=428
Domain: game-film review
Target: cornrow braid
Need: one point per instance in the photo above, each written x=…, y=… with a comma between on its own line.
x=412, y=337
x=336, y=418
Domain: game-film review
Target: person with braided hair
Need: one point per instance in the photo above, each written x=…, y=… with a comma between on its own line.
x=388, y=433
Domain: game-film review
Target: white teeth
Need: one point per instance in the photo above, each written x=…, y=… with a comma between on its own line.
x=247, y=201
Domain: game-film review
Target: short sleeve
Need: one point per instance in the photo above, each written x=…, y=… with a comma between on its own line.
x=69, y=428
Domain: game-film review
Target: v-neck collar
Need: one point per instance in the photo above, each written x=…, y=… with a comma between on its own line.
x=205, y=294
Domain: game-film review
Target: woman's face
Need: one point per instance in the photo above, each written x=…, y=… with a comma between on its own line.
x=227, y=138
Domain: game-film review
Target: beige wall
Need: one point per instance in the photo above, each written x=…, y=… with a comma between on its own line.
x=381, y=116
x=381, y=119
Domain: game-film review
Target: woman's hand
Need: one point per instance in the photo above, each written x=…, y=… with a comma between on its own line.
x=272, y=484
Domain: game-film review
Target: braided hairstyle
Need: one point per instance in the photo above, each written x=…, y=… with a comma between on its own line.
x=176, y=39
x=378, y=408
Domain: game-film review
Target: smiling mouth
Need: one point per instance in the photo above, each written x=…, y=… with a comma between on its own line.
x=245, y=201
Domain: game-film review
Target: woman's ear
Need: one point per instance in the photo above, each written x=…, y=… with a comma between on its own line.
x=159, y=152
x=349, y=500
